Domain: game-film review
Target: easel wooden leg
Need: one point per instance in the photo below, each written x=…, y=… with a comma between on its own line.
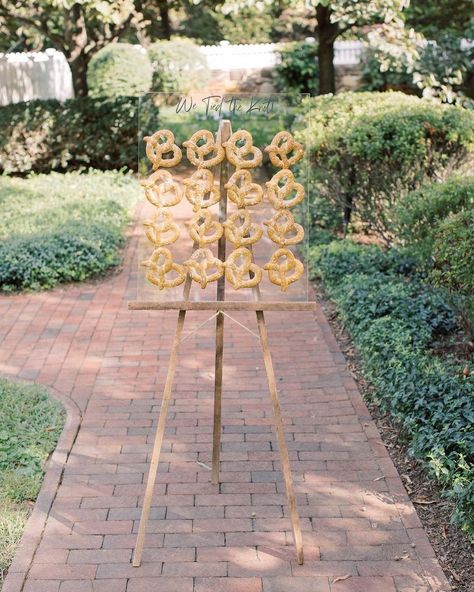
x=216, y=435
x=285, y=461
x=160, y=430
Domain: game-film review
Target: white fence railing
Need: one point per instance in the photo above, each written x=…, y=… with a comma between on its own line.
x=264, y=55
x=46, y=75
x=34, y=75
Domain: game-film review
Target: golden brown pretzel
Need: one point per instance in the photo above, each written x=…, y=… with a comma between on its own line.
x=200, y=189
x=158, y=145
x=160, y=265
x=161, y=230
x=280, y=225
x=281, y=263
x=241, y=152
x=161, y=190
x=284, y=151
x=240, y=271
x=242, y=191
x=197, y=152
x=199, y=264
x=203, y=229
x=281, y=186
x=240, y=230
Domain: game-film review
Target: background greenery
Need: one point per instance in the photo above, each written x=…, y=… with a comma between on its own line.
x=62, y=228
x=30, y=428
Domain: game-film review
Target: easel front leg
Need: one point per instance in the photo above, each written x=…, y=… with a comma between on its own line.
x=160, y=430
x=216, y=435
x=284, y=459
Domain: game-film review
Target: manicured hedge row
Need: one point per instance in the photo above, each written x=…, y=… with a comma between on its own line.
x=72, y=230
x=368, y=150
x=44, y=136
x=392, y=316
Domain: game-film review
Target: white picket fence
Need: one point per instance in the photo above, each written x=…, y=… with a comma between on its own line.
x=46, y=75
x=34, y=75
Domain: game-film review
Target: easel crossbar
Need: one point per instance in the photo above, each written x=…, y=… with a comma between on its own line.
x=223, y=305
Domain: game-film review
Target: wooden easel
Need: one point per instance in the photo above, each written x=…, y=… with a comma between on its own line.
x=220, y=307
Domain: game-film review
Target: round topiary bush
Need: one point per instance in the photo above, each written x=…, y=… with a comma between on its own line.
x=119, y=69
x=178, y=66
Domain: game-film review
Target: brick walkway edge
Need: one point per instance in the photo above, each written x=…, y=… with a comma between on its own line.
x=360, y=531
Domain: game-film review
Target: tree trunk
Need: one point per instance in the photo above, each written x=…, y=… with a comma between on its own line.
x=326, y=33
x=76, y=38
x=78, y=67
x=165, y=18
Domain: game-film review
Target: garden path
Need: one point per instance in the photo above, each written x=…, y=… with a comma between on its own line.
x=360, y=531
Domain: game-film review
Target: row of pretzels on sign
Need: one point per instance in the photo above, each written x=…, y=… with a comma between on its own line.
x=283, y=192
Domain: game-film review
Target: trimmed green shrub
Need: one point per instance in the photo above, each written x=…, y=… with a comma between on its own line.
x=368, y=150
x=44, y=136
x=298, y=70
x=453, y=255
x=178, y=66
x=119, y=69
x=72, y=230
x=416, y=217
x=392, y=316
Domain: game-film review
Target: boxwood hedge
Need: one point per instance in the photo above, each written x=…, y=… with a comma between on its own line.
x=44, y=136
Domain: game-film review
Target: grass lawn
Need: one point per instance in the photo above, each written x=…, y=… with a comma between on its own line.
x=62, y=227
x=30, y=426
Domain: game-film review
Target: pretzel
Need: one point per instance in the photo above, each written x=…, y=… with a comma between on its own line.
x=277, y=270
x=156, y=149
x=280, y=225
x=240, y=271
x=239, y=155
x=161, y=190
x=200, y=262
x=197, y=152
x=240, y=230
x=161, y=230
x=282, y=145
x=281, y=186
x=200, y=190
x=242, y=191
x=159, y=265
x=203, y=229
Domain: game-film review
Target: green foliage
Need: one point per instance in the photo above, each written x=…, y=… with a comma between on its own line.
x=250, y=25
x=439, y=17
x=178, y=66
x=119, y=69
x=392, y=316
x=430, y=69
x=368, y=150
x=298, y=70
x=43, y=136
x=453, y=255
x=73, y=230
x=30, y=428
x=416, y=217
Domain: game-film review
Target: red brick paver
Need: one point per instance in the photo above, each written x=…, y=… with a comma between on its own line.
x=360, y=531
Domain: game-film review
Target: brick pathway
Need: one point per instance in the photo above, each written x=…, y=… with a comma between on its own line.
x=360, y=531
